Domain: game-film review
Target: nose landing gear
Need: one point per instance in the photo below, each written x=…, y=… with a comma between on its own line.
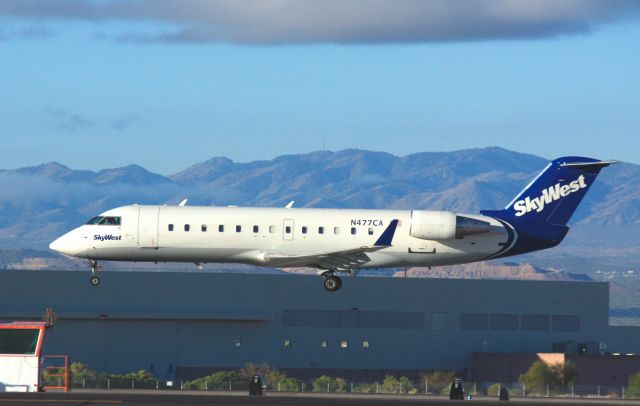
x=95, y=279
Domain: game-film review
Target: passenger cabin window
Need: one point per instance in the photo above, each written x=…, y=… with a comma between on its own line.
x=256, y=229
x=323, y=344
x=320, y=230
x=221, y=228
x=370, y=231
x=353, y=230
x=304, y=229
x=238, y=229
x=287, y=229
x=272, y=229
x=187, y=227
x=366, y=344
x=203, y=228
x=287, y=343
x=170, y=227
x=336, y=230
x=105, y=221
x=344, y=344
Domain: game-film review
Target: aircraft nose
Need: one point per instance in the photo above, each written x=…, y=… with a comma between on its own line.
x=64, y=245
x=56, y=245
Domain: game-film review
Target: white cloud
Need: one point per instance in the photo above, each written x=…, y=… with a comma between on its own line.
x=338, y=21
x=69, y=122
x=124, y=122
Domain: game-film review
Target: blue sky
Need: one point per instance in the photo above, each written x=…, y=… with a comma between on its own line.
x=94, y=88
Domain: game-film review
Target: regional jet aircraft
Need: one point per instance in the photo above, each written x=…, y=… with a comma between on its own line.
x=337, y=240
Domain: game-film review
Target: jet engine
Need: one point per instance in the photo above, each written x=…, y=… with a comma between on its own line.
x=444, y=225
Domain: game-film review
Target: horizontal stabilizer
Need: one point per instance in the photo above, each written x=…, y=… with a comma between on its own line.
x=589, y=165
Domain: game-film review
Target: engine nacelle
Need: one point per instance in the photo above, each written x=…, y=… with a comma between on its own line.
x=444, y=225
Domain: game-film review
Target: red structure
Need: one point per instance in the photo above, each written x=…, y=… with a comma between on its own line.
x=21, y=357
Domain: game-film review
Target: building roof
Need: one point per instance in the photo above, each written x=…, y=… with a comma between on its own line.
x=4, y=324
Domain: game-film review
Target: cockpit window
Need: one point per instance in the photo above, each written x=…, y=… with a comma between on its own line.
x=105, y=221
x=110, y=221
x=95, y=220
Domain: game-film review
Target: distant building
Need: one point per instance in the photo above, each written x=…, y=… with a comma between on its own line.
x=194, y=323
x=606, y=370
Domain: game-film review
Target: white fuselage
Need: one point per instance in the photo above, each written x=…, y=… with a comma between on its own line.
x=257, y=235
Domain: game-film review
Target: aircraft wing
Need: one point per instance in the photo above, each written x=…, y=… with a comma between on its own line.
x=340, y=261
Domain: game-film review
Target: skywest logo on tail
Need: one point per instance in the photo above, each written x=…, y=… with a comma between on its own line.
x=551, y=194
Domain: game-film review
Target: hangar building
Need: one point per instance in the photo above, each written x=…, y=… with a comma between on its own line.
x=195, y=322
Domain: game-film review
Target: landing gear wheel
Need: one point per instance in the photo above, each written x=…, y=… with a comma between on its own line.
x=332, y=283
x=95, y=279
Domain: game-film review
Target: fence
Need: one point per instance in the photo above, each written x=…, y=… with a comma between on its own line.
x=393, y=386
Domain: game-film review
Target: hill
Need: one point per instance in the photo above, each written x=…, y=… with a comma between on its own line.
x=494, y=270
x=39, y=203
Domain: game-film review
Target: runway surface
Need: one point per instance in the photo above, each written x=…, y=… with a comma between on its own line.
x=170, y=398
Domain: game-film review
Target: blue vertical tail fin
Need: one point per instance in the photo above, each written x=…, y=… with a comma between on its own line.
x=554, y=195
x=537, y=217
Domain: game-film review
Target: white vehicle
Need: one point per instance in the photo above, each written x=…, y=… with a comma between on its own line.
x=337, y=240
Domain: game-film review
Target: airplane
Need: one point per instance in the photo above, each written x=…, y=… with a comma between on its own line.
x=337, y=240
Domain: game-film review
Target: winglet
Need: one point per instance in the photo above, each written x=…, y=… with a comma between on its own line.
x=387, y=236
x=183, y=203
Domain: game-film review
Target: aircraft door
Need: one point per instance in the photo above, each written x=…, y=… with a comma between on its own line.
x=148, y=226
x=287, y=229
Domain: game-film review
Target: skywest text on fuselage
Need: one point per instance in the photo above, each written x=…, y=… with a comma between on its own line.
x=108, y=237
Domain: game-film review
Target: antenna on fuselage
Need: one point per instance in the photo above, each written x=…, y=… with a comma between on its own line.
x=183, y=203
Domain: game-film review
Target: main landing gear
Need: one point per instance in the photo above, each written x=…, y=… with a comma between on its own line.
x=331, y=282
x=95, y=279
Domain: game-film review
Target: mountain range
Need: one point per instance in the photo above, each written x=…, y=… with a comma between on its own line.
x=37, y=203
x=41, y=202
